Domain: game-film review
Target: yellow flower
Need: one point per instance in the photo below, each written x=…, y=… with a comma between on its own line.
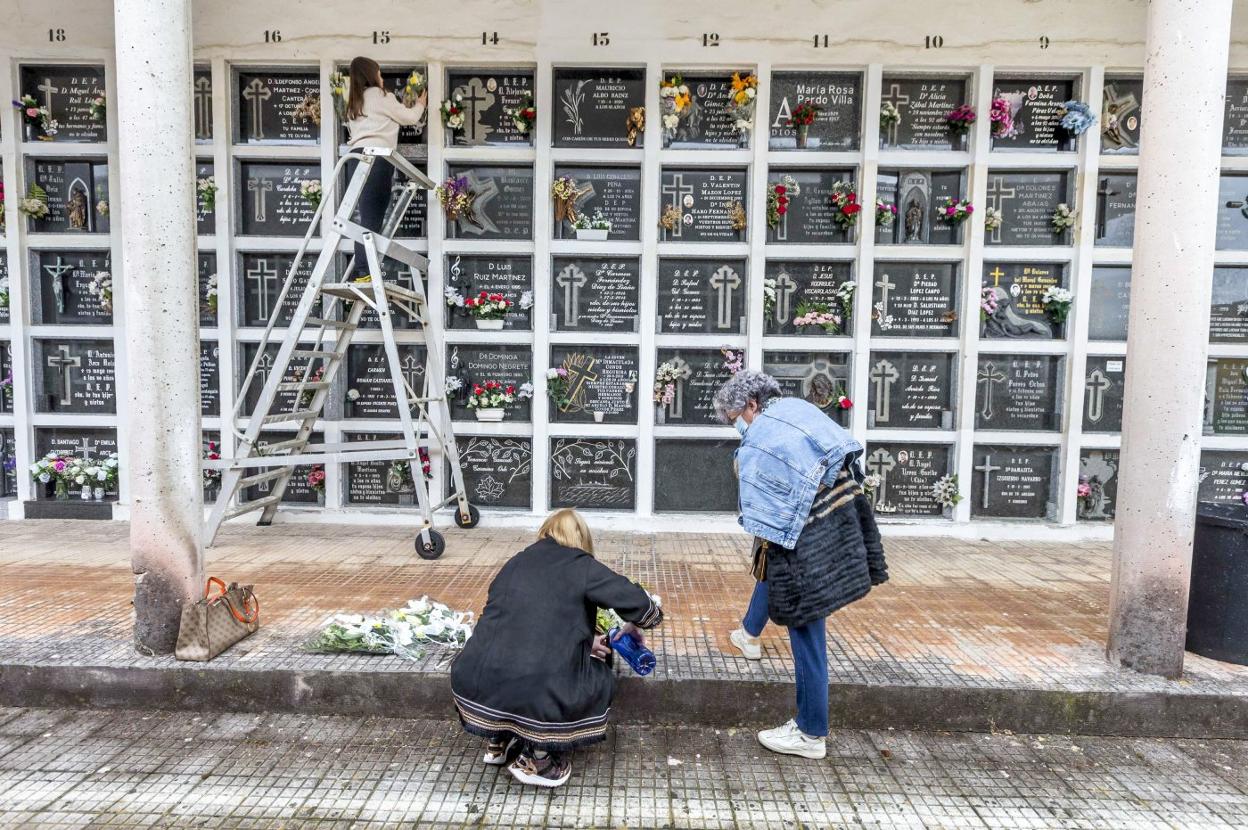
x=737, y=84
x=683, y=101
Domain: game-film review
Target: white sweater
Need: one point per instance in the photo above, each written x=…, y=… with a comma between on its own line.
x=383, y=114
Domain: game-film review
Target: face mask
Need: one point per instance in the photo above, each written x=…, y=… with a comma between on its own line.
x=741, y=425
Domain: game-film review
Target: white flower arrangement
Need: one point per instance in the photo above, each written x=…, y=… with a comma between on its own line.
x=453, y=384
x=405, y=631
x=206, y=190
x=992, y=219
x=101, y=208
x=452, y=111
x=310, y=190
x=1064, y=217
x=526, y=300
x=4, y=292
x=1057, y=302
x=453, y=298
x=101, y=287
x=945, y=490
x=212, y=294
x=769, y=296
x=597, y=222
x=665, y=378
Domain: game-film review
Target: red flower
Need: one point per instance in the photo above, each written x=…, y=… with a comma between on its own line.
x=491, y=384
x=780, y=190
x=844, y=402
x=851, y=209
x=496, y=297
x=511, y=390
x=477, y=390
x=483, y=294
x=782, y=210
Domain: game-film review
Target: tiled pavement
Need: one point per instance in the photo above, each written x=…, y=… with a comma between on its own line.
x=959, y=614
x=76, y=769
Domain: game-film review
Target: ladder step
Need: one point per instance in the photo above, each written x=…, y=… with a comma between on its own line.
x=288, y=444
x=297, y=415
x=258, y=478
x=347, y=291
x=318, y=322
x=315, y=353
x=248, y=506
x=295, y=386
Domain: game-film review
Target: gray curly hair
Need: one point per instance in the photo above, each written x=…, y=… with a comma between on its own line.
x=742, y=388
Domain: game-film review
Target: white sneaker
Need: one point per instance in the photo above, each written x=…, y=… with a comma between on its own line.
x=750, y=647
x=789, y=740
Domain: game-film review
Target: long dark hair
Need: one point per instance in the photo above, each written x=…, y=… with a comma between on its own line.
x=364, y=73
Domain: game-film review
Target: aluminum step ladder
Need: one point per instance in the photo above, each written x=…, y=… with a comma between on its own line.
x=312, y=351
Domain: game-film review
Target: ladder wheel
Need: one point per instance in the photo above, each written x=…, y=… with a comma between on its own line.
x=435, y=547
x=474, y=517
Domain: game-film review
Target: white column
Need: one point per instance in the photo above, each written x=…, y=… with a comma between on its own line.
x=160, y=296
x=1167, y=345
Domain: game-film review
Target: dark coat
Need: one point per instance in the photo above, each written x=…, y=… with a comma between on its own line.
x=836, y=560
x=527, y=671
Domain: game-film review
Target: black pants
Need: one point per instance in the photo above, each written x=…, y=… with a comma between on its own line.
x=373, y=204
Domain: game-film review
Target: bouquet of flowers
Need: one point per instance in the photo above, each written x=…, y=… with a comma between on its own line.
x=524, y=116
x=37, y=116
x=885, y=213
x=597, y=222
x=843, y=402
x=665, y=379
x=870, y=484
x=452, y=112
x=954, y=211
x=734, y=359
x=206, y=190
x=305, y=399
x=769, y=296
x=412, y=87
x=607, y=619
x=818, y=314
x=211, y=294
x=779, y=194
x=57, y=469
x=1002, y=117
x=316, y=478
x=213, y=453
x=945, y=491
x=404, y=632
x=1057, y=301
x=675, y=104
x=494, y=395
x=101, y=287
x=310, y=190
x=557, y=387
x=98, y=108
x=889, y=115
x=1077, y=117
x=35, y=205
x=743, y=101
x=456, y=198
x=992, y=219
x=845, y=202
x=1088, y=494
x=4, y=291
x=309, y=109
x=670, y=218
x=803, y=115
x=961, y=119
x=487, y=306
x=401, y=471
x=101, y=207
x=1063, y=218
x=736, y=215
x=563, y=192
x=988, y=303
x=340, y=91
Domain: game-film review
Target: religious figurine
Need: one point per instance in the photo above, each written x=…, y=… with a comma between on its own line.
x=914, y=221
x=78, y=208
x=1006, y=322
x=636, y=124
x=822, y=391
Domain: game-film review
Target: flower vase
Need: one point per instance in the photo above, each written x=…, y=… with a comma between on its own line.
x=320, y=498
x=29, y=132
x=598, y=416
x=86, y=492
x=743, y=140
x=660, y=416
x=490, y=325
x=592, y=234
x=98, y=493
x=803, y=132
x=490, y=415
x=947, y=512
x=62, y=490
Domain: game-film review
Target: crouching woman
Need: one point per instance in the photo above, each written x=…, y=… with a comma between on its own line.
x=535, y=679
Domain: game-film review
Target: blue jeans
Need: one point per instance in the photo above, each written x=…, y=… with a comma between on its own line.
x=810, y=663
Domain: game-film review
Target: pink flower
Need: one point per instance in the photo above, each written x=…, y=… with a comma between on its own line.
x=59, y=465
x=1084, y=491
x=31, y=112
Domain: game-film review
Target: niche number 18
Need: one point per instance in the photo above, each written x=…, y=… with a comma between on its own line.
x=56, y=35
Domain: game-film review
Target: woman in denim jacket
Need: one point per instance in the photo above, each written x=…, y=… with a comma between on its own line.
x=816, y=546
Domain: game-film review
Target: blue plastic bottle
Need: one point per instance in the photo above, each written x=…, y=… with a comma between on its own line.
x=640, y=658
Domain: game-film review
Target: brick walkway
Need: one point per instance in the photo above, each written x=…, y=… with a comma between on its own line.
x=977, y=614
x=77, y=769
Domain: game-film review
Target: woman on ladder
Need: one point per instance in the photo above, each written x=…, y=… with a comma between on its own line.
x=374, y=117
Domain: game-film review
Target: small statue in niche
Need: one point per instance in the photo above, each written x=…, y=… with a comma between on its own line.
x=636, y=124
x=78, y=208
x=914, y=221
x=822, y=392
x=1006, y=322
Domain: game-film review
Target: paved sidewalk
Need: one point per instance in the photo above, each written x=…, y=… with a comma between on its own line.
x=76, y=769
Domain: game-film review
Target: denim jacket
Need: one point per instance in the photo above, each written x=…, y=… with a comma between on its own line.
x=790, y=449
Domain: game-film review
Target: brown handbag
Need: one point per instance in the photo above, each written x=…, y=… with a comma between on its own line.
x=218, y=621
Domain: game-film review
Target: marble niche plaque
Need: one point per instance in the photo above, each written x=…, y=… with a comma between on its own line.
x=1228, y=318
x=498, y=471
x=1232, y=232
x=918, y=195
x=592, y=106
x=1226, y=396
x=509, y=365
x=911, y=390
x=1109, y=302
x=205, y=215
x=5, y=288
x=1099, y=470
x=798, y=281
x=923, y=104
x=914, y=299
x=297, y=491
x=285, y=401
x=511, y=276
x=1019, y=288
x=907, y=473
x=1235, y=118
x=271, y=107
x=84, y=442
x=593, y=473
x=261, y=276
x=486, y=97
x=809, y=218
x=1018, y=392
x=209, y=379
x=595, y=294
x=1223, y=476
x=704, y=197
x=838, y=95
x=1036, y=107
x=710, y=124
x=201, y=91
x=502, y=205
x=602, y=384
x=694, y=476
x=369, y=391
x=8, y=464
x=6, y=371
x=1104, y=382
x=613, y=191
x=1115, y=210
x=410, y=137
x=67, y=92
x=700, y=373
x=378, y=482
x=1013, y=482
x=1121, y=100
x=819, y=377
x=77, y=195
x=65, y=293
x=75, y=376
x=206, y=268
x=271, y=204
x=701, y=296
x=1027, y=201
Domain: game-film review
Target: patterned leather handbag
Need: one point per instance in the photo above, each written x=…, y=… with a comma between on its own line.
x=218, y=621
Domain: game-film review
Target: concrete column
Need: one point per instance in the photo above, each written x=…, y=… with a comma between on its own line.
x=160, y=297
x=1167, y=345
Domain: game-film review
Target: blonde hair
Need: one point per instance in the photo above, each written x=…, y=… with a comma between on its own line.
x=566, y=527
